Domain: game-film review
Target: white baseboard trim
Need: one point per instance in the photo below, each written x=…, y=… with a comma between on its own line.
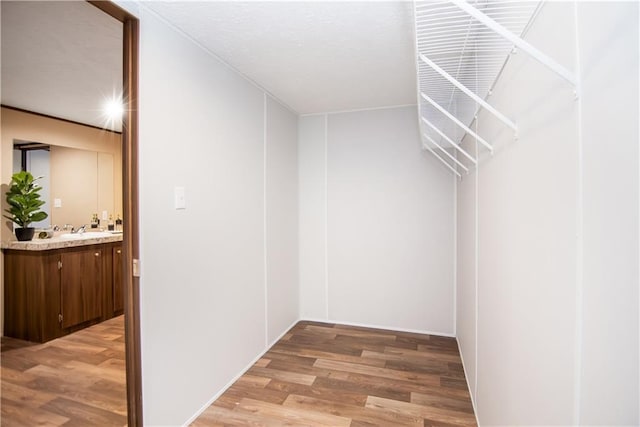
x=386, y=328
x=234, y=379
x=466, y=379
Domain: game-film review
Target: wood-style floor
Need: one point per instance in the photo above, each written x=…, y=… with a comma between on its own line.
x=77, y=380
x=322, y=374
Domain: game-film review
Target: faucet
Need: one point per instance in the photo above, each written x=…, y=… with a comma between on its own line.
x=80, y=230
x=67, y=227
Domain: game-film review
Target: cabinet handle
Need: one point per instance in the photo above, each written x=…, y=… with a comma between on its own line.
x=97, y=254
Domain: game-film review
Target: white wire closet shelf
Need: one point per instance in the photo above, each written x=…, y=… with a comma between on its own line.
x=461, y=48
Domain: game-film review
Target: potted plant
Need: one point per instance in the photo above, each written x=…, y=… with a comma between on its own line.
x=24, y=202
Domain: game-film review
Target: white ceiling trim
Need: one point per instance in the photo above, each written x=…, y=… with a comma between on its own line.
x=357, y=110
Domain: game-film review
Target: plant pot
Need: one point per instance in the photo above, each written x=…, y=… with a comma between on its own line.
x=25, y=234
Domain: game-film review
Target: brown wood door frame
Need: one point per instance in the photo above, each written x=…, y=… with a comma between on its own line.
x=130, y=243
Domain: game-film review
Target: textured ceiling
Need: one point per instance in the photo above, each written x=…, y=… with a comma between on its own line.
x=314, y=56
x=61, y=59
x=64, y=58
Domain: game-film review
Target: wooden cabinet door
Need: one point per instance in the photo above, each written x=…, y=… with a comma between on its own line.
x=31, y=295
x=81, y=286
x=118, y=290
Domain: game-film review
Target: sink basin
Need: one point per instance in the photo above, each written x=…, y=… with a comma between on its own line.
x=85, y=235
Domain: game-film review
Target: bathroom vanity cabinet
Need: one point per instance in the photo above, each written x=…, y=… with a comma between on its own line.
x=53, y=292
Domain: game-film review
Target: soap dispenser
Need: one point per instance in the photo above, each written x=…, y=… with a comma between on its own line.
x=110, y=225
x=94, y=221
x=118, y=223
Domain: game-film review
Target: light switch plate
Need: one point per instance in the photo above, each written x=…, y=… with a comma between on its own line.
x=180, y=201
x=105, y=215
x=57, y=203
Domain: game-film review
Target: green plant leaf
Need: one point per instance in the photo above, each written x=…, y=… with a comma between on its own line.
x=24, y=200
x=38, y=216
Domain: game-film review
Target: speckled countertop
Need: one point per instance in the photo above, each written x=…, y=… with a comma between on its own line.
x=64, y=241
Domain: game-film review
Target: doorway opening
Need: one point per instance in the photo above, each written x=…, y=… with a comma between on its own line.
x=129, y=182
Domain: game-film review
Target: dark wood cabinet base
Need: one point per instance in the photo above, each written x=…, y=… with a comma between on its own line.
x=52, y=293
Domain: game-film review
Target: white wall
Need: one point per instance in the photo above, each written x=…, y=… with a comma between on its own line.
x=389, y=223
x=545, y=355
x=281, y=219
x=526, y=243
x=609, y=60
x=206, y=278
x=466, y=268
x=312, y=196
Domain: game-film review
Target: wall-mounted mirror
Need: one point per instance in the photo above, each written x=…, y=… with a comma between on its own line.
x=81, y=167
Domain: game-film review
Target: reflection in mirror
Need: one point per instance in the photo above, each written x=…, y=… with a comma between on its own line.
x=81, y=165
x=34, y=157
x=76, y=184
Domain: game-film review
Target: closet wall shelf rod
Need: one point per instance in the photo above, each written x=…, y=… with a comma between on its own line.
x=449, y=155
x=449, y=140
x=455, y=120
x=426, y=147
x=472, y=95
